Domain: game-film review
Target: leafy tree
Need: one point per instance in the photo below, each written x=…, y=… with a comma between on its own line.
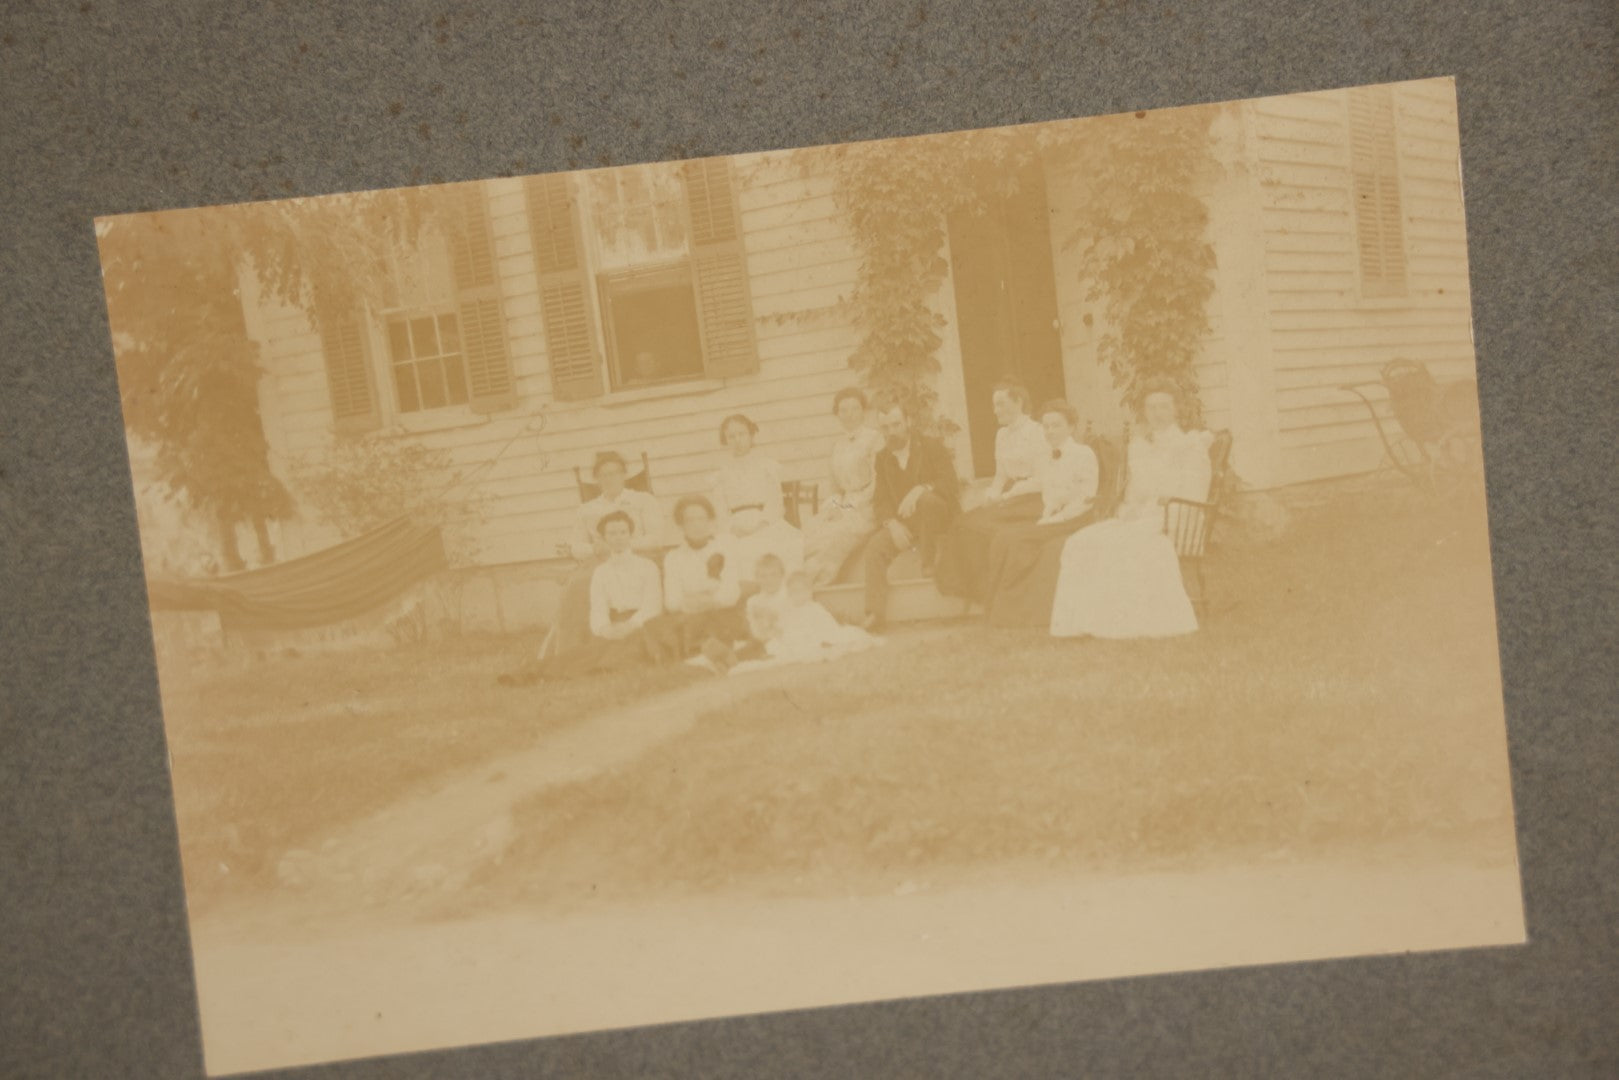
x=188, y=371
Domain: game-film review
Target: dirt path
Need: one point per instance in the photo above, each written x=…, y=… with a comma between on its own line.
x=430, y=843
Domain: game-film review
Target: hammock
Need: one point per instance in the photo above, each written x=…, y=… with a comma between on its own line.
x=337, y=583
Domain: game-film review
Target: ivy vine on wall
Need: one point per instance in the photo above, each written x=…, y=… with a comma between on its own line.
x=1135, y=184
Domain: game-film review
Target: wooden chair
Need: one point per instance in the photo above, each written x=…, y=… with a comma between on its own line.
x=641, y=481
x=797, y=494
x=1188, y=522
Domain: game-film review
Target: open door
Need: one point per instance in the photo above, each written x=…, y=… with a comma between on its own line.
x=1006, y=305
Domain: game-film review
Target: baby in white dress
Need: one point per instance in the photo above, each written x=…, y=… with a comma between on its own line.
x=801, y=630
x=809, y=632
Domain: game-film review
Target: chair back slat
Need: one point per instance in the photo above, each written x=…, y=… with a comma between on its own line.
x=640, y=481
x=797, y=494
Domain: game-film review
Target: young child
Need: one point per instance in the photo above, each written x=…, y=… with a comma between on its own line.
x=765, y=607
x=808, y=630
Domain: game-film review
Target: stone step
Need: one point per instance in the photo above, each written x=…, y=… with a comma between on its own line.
x=911, y=597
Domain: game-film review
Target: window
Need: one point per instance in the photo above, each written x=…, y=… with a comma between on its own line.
x=442, y=333
x=1374, y=166
x=651, y=322
x=658, y=248
x=636, y=215
x=424, y=352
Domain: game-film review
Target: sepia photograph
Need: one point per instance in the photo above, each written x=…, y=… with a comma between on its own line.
x=824, y=575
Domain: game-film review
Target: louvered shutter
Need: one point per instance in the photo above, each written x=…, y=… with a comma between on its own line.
x=1375, y=187
x=570, y=329
x=348, y=369
x=490, y=386
x=720, y=270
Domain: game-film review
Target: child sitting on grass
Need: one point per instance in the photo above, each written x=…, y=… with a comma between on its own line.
x=801, y=630
x=762, y=612
x=765, y=607
x=808, y=630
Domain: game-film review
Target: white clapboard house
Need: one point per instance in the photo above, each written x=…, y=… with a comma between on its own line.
x=634, y=308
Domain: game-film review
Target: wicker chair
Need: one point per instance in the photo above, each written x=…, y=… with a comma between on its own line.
x=1434, y=432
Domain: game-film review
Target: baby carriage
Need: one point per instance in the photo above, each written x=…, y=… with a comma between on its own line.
x=1434, y=433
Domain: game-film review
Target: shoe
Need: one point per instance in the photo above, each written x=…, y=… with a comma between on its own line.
x=871, y=623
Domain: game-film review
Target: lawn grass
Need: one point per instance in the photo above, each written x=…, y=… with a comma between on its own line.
x=268, y=755
x=1343, y=696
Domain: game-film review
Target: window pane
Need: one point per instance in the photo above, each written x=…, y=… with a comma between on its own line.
x=655, y=333
x=449, y=338
x=405, y=386
x=398, y=341
x=431, y=375
x=636, y=212
x=424, y=337
x=455, y=373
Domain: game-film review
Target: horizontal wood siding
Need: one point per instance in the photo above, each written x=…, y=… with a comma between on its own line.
x=801, y=264
x=1322, y=331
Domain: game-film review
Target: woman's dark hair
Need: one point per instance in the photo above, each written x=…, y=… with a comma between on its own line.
x=607, y=457
x=686, y=502
x=848, y=393
x=1016, y=390
x=737, y=418
x=1160, y=384
x=1062, y=409
x=611, y=516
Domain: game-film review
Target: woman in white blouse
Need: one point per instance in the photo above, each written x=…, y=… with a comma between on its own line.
x=1023, y=559
x=625, y=594
x=1121, y=578
x=587, y=546
x=1013, y=498
x=844, y=519
x=747, y=498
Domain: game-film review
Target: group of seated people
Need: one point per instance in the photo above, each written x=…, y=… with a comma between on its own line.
x=735, y=591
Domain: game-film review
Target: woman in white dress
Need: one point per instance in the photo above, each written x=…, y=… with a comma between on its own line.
x=844, y=520
x=747, y=497
x=1121, y=578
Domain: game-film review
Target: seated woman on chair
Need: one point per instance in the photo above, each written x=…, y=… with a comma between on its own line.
x=1013, y=498
x=1023, y=559
x=626, y=594
x=748, y=502
x=646, y=519
x=844, y=520
x=1121, y=578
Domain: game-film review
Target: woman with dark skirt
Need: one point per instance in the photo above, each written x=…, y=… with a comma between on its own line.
x=1013, y=499
x=573, y=611
x=702, y=587
x=626, y=594
x=1024, y=559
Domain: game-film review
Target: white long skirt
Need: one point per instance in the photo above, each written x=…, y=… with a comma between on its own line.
x=778, y=538
x=1121, y=579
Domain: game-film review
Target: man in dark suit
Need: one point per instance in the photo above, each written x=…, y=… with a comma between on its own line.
x=917, y=497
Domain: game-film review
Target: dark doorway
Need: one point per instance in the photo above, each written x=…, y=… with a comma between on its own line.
x=1006, y=305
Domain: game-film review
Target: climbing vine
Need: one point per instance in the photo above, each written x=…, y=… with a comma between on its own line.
x=1138, y=228
x=1141, y=236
